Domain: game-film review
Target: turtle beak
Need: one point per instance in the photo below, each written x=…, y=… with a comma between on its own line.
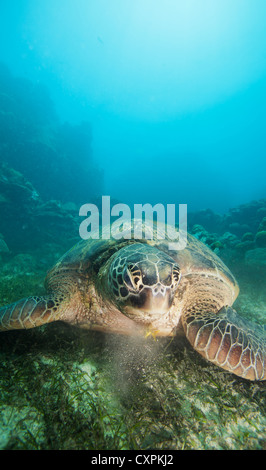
x=150, y=304
x=158, y=302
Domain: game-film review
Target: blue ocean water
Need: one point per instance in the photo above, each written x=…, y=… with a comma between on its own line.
x=145, y=102
x=174, y=92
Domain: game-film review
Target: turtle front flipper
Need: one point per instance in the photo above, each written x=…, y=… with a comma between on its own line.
x=228, y=341
x=30, y=312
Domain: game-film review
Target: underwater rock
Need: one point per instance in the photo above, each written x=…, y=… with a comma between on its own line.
x=51, y=209
x=248, y=236
x=4, y=250
x=52, y=220
x=262, y=225
x=207, y=218
x=234, y=245
x=210, y=239
x=27, y=221
x=260, y=239
x=245, y=245
x=19, y=199
x=198, y=229
x=240, y=220
x=261, y=212
x=57, y=158
x=229, y=239
x=247, y=216
x=70, y=207
x=14, y=188
x=3, y=246
x=216, y=244
x=200, y=233
x=23, y=263
x=238, y=229
x=256, y=257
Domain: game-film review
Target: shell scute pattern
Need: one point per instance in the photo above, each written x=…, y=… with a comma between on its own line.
x=196, y=257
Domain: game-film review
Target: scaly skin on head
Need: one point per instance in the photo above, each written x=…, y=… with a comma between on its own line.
x=141, y=282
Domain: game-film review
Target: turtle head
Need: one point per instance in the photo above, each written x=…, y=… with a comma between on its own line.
x=143, y=281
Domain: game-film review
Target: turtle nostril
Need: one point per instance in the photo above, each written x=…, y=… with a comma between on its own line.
x=159, y=289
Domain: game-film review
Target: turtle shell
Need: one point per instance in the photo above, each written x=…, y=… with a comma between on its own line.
x=88, y=256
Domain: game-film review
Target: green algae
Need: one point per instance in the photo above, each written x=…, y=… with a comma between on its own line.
x=64, y=388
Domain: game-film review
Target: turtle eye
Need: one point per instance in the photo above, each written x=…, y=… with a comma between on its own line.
x=132, y=278
x=176, y=275
x=127, y=281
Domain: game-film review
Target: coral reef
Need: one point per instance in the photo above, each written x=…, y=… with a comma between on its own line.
x=238, y=221
x=52, y=155
x=27, y=221
x=256, y=257
x=260, y=239
x=238, y=235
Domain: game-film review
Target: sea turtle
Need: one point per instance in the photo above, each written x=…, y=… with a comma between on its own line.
x=128, y=286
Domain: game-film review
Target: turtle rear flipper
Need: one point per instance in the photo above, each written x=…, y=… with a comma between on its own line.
x=228, y=341
x=29, y=312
